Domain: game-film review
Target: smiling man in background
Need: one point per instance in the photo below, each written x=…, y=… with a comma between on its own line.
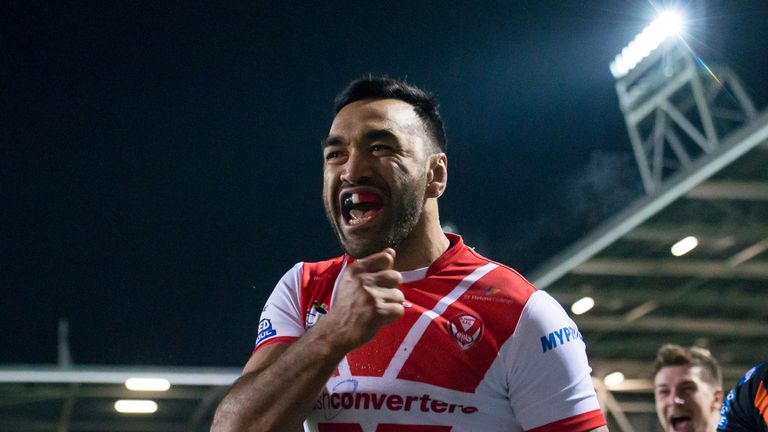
x=410, y=329
x=688, y=387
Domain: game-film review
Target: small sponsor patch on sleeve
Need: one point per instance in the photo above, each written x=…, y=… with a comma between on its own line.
x=265, y=330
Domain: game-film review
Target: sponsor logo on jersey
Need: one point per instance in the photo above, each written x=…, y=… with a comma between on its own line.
x=265, y=330
x=559, y=337
x=725, y=409
x=335, y=402
x=314, y=313
x=466, y=329
x=488, y=294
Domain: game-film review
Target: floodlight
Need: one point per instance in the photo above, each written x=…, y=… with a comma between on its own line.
x=684, y=246
x=147, y=384
x=135, y=406
x=668, y=23
x=613, y=379
x=583, y=305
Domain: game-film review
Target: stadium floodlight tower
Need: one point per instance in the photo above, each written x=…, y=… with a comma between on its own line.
x=672, y=100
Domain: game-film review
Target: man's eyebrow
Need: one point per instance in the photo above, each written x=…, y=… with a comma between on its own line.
x=371, y=135
x=379, y=134
x=330, y=141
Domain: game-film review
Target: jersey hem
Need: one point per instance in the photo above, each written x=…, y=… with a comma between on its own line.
x=582, y=422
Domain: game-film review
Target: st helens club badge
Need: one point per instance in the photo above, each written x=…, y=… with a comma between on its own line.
x=466, y=329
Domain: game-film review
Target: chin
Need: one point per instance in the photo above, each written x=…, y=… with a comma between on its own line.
x=362, y=242
x=359, y=250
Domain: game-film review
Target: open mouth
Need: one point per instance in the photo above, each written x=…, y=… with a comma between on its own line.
x=681, y=423
x=360, y=207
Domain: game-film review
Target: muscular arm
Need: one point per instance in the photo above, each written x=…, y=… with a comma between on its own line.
x=279, y=385
x=281, y=382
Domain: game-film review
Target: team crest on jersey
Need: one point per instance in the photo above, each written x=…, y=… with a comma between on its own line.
x=315, y=312
x=466, y=329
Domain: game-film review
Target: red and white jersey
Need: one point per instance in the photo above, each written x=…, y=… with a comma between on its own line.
x=480, y=349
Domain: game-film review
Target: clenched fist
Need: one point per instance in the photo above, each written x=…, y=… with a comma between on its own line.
x=366, y=299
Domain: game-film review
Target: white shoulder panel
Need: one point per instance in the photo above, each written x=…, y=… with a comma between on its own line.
x=547, y=370
x=281, y=316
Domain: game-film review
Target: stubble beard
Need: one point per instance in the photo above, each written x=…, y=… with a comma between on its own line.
x=406, y=213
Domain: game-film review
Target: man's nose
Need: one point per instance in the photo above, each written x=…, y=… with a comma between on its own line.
x=357, y=166
x=677, y=400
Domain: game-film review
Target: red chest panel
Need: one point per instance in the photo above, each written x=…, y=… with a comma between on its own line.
x=453, y=349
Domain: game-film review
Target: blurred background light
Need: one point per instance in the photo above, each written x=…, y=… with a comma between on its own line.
x=684, y=246
x=583, y=305
x=147, y=384
x=613, y=379
x=135, y=406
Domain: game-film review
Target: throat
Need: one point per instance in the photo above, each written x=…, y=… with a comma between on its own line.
x=420, y=251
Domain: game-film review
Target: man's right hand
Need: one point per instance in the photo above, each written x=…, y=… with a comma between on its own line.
x=366, y=299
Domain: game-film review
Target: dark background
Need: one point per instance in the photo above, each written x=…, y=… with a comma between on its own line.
x=161, y=168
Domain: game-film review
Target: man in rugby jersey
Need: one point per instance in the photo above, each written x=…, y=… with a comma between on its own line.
x=410, y=329
x=746, y=407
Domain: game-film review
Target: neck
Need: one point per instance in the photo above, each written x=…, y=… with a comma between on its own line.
x=425, y=244
x=714, y=419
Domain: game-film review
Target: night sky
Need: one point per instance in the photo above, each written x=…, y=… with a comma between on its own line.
x=161, y=167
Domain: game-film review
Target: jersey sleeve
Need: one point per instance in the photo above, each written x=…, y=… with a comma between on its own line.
x=549, y=382
x=745, y=408
x=281, y=319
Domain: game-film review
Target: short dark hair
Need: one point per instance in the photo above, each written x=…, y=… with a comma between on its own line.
x=383, y=87
x=676, y=355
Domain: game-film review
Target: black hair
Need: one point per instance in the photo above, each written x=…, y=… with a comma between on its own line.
x=383, y=87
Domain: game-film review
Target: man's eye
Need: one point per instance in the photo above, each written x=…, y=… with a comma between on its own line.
x=378, y=148
x=332, y=155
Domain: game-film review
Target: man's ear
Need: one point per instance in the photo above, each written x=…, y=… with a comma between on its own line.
x=437, y=175
x=718, y=402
